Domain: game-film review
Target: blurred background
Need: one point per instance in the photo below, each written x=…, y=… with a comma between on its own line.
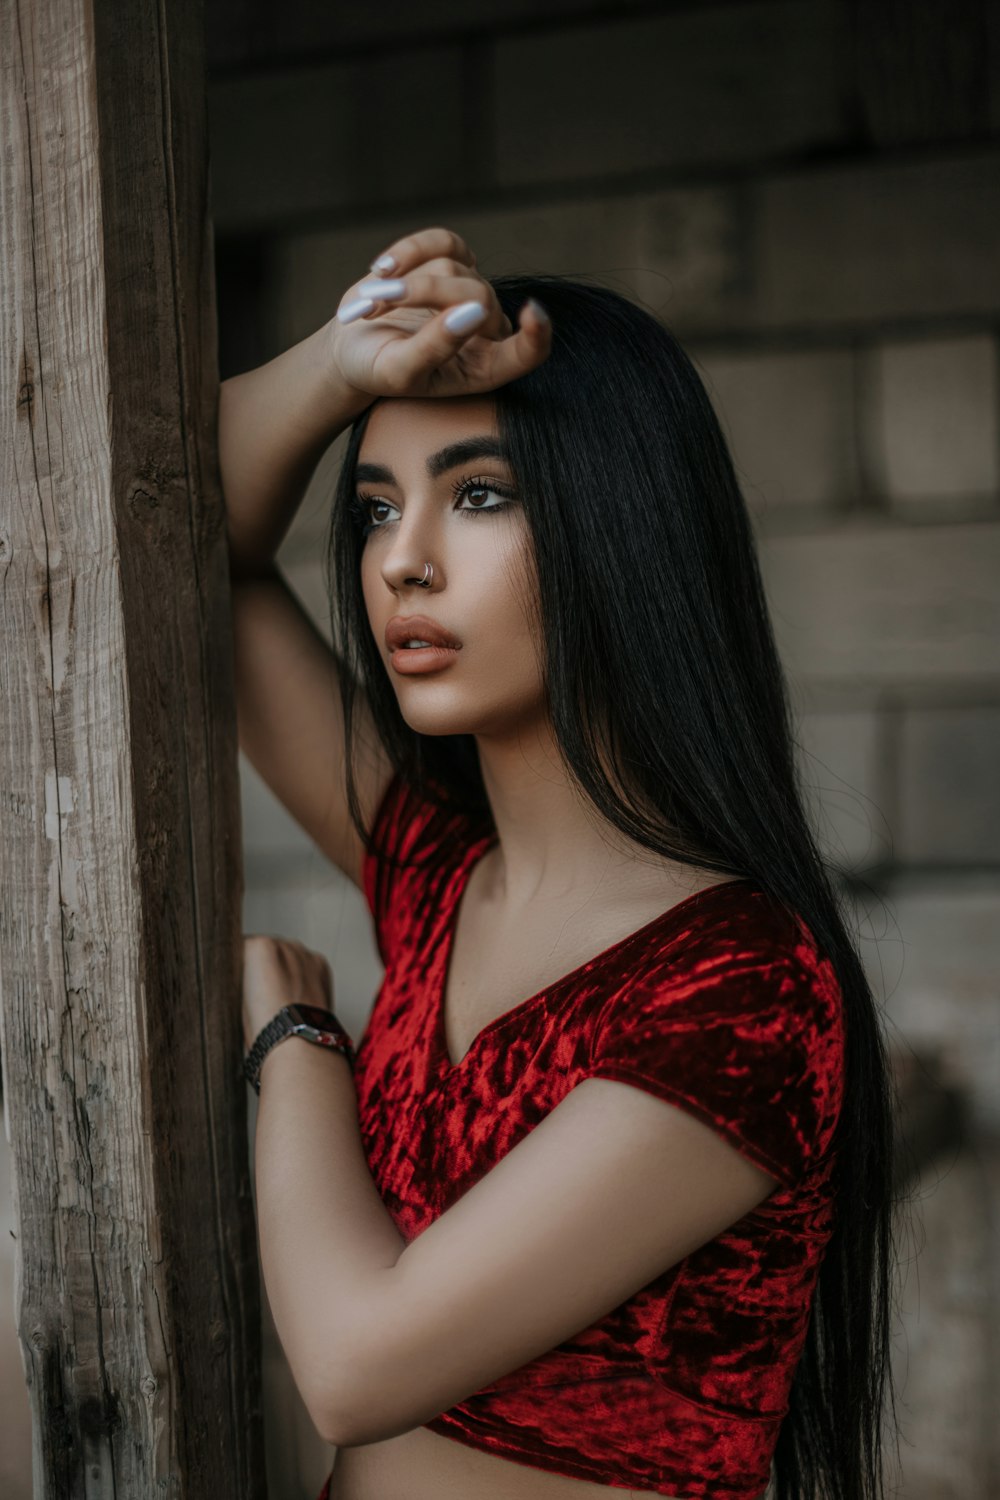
x=807, y=192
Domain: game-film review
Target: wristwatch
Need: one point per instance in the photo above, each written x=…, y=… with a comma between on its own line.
x=309, y=1021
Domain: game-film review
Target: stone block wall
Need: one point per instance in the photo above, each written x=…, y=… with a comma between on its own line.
x=811, y=201
x=808, y=193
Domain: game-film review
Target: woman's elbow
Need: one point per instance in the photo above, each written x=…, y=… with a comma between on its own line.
x=371, y=1407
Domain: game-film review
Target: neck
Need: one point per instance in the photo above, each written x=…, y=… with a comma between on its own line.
x=552, y=840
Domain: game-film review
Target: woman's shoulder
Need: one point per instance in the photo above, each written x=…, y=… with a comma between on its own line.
x=734, y=949
x=735, y=921
x=736, y=1015
x=419, y=837
x=414, y=823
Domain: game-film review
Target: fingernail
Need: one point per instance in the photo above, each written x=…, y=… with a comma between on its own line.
x=539, y=311
x=384, y=263
x=465, y=315
x=382, y=289
x=356, y=309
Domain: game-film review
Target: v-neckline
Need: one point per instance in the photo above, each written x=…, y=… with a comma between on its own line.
x=441, y=1058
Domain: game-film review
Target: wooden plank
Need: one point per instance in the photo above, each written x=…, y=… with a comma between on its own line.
x=138, y=1305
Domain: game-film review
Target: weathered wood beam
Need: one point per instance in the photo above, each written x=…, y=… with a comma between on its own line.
x=120, y=861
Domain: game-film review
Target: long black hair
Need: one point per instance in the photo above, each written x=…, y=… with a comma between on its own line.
x=669, y=703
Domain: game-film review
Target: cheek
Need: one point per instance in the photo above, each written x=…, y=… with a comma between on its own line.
x=509, y=560
x=507, y=578
x=508, y=628
x=370, y=581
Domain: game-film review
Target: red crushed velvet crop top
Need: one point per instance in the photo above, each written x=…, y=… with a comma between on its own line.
x=720, y=1005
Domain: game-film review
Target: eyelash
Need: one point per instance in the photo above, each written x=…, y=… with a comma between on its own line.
x=358, y=504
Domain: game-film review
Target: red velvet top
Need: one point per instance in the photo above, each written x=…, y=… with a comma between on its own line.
x=720, y=1005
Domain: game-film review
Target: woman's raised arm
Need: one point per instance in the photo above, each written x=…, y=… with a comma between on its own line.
x=276, y=421
x=275, y=424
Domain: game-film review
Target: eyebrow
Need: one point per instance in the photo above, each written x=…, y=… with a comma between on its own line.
x=438, y=463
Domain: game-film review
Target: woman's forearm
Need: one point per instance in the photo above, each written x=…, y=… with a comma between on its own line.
x=275, y=423
x=325, y=1234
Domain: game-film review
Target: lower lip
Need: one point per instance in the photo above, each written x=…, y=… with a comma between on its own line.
x=411, y=660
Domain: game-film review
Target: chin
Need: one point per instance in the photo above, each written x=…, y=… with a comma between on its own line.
x=442, y=718
x=454, y=718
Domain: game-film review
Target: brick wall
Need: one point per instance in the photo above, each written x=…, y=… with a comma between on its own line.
x=808, y=193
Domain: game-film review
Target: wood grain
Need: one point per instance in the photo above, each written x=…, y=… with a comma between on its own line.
x=136, y=1289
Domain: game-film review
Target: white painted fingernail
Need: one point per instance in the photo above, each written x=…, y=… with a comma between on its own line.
x=384, y=263
x=539, y=311
x=387, y=290
x=465, y=315
x=356, y=309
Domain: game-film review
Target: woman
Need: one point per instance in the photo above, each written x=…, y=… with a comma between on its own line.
x=603, y=1199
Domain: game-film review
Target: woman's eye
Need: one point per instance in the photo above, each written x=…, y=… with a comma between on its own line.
x=370, y=512
x=362, y=508
x=472, y=490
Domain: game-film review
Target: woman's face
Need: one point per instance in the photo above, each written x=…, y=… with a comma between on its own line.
x=433, y=489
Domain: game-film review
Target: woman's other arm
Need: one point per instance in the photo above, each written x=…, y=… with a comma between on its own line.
x=290, y=720
x=275, y=424
x=609, y=1190
x=705, y=1092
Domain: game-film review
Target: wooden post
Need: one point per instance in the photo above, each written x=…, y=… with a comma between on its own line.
x=120, y=861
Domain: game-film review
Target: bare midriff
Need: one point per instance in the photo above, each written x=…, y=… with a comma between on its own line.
x=425, y=1465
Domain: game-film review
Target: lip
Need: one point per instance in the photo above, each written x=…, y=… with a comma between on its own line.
x=413, y=661
x=403, y=628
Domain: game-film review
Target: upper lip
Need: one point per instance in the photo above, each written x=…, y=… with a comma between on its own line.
x=403, y=628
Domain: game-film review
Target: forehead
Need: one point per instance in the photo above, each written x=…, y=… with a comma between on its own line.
x=420, y=425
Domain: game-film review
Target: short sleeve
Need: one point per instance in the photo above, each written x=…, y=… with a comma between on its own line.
x=401, y=821
x=750, y=1045
x=374, y=870
x=417, y=841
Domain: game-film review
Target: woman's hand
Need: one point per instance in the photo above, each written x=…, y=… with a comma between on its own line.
x=401, y=344
x=276, y=972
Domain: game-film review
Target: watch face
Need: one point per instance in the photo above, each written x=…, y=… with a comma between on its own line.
x=312, y=1015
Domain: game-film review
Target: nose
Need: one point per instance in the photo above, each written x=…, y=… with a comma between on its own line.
x=409, y=574
x=409, y=566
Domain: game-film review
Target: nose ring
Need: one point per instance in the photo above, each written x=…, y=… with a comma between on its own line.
x=425, y=582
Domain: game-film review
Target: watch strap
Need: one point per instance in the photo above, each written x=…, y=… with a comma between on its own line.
x=285, y=1023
